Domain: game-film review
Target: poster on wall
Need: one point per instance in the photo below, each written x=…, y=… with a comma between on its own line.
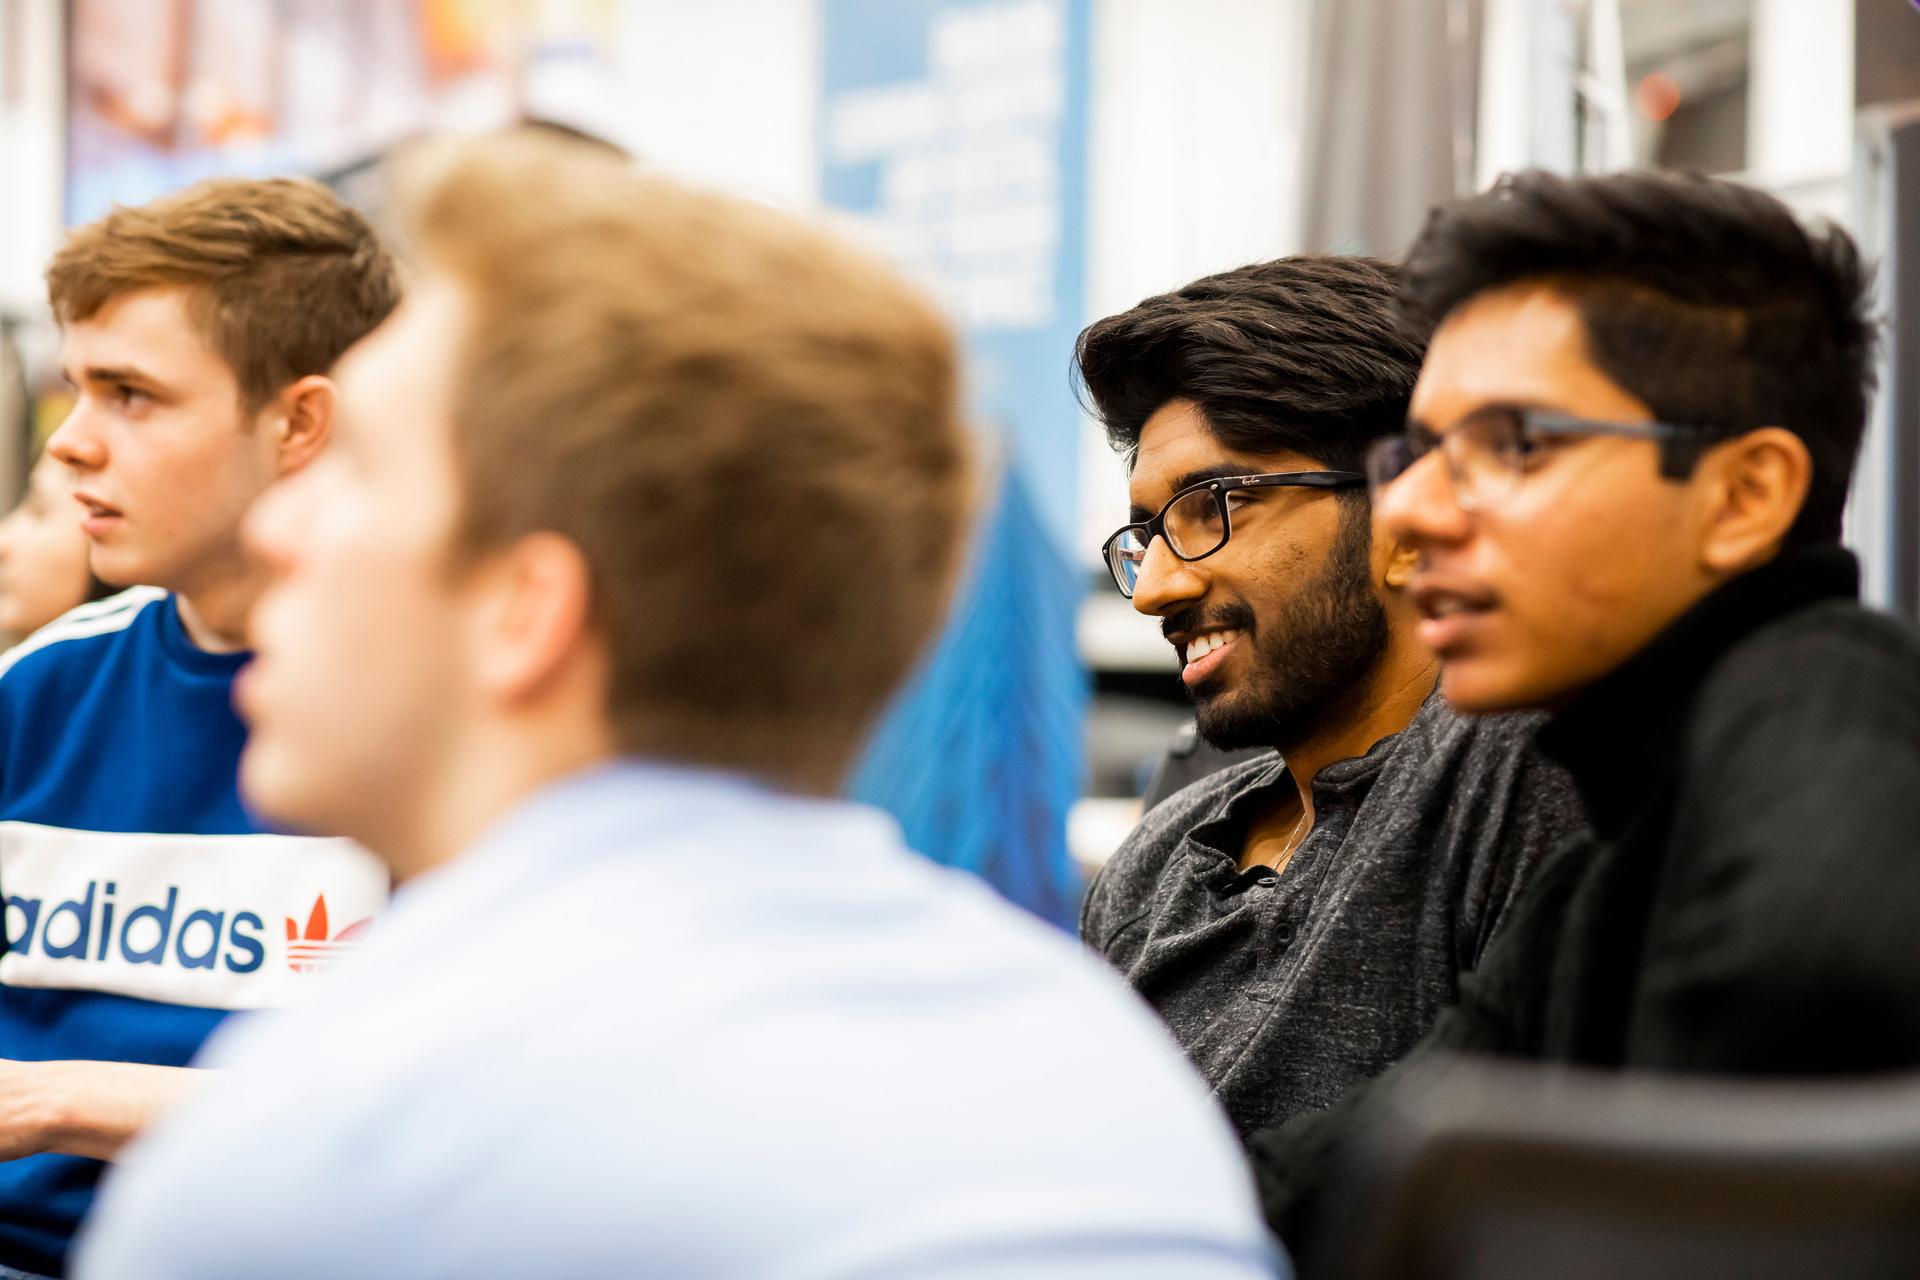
x=953, y=136
x=164, y=92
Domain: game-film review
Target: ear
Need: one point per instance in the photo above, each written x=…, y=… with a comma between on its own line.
x=303, y=422
x=1757, y=483
x=1402, y=560
x=537, y=622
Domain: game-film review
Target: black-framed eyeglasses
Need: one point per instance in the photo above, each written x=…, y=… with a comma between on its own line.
x=1198, y=520
x=1489, y=451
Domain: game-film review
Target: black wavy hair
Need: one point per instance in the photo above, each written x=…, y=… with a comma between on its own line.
x=1306, y=354
x=1707, y=300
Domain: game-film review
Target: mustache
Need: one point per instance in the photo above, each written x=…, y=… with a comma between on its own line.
x=1227, y=617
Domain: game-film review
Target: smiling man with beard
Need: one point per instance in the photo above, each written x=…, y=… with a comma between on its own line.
x=1298, y=919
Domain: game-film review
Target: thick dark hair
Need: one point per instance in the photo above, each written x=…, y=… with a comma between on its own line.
x=1706, y=299
x=1306, y=354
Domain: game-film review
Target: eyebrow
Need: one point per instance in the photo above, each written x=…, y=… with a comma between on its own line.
x=1219, y=471
x=1510, y=406
x=115, y=373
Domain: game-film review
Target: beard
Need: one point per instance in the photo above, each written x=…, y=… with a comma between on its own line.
x=1308, y=658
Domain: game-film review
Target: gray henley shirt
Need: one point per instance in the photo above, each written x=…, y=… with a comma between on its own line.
x=1286, y=989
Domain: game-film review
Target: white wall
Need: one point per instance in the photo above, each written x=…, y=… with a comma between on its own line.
x=1193, y=168
x=1196, y=126
x=1800, y=96
x=722, y=92
x=1800, y=103
x=1526, y=116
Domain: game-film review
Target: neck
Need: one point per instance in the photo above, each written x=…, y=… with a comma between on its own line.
x=216, y=616
x=495, y=774
x=1384, y=703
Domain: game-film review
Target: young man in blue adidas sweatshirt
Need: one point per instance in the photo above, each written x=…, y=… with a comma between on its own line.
x=143, y=902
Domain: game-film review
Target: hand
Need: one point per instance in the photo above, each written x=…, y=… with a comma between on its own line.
x=85, y=1108
x=26, y=1108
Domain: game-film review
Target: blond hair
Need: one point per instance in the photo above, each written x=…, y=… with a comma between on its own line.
x=750, y=430
x=283, y=276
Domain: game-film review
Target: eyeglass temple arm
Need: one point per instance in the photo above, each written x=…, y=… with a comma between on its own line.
x=1676, y=462
x=1567, y=424
x=1296, y=479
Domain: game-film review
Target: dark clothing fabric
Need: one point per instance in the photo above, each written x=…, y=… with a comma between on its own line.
x=1287, y=989
x=1190, y=758
x=1749, y=901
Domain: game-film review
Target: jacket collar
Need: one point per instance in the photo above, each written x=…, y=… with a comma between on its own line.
x=1621, y=737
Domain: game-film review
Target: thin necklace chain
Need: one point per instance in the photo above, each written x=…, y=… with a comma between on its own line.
x=1292, y=846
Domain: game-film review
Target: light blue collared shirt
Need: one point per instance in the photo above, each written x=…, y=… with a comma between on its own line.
x=669, y=1023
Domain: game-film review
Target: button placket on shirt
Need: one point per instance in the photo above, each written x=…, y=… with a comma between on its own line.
x=1283, y=906
x=1276, y=906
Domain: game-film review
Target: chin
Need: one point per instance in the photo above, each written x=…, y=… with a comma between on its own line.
x=120, y=572
x=1234, y=724
x=274, y=786
x=1472, y=689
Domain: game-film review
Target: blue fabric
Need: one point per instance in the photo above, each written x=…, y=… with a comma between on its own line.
x=667, y=1023
x=979, y=758
x=129, y=729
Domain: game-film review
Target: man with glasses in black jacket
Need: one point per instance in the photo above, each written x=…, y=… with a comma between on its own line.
x=1623, y=479
x=1298, y=919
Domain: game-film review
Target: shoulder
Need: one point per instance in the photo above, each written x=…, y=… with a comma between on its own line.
x=902, y=1003
x=1487, y=805
x=1200, y=800
x=1793, y=876
x=1189, y=758
x=1472, y=764
x=1163, y=827
x=1126, y=883
x=1481, y=741
x=1801, y=755
x=1841, y=640
x=76, y=636
x=1834, y=664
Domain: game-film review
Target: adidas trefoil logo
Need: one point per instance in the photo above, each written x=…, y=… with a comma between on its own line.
x=316, y=950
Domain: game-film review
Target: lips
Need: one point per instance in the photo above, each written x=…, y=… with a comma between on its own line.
x=1204, y=652
x=1451, y=609
x=98, y=516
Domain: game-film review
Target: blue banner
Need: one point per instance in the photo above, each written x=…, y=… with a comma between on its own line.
x=955, y=130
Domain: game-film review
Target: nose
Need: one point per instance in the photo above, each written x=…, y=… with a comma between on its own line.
x=1421, y=507
x=76, y=444
x=1166, y=582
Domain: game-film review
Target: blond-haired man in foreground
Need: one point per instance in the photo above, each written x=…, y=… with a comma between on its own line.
x=641, y=507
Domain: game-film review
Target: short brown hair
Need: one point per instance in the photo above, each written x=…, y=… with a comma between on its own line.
x=751, y=431
x=285, y=276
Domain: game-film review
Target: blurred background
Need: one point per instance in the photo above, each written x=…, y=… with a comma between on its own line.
x=1038, y=164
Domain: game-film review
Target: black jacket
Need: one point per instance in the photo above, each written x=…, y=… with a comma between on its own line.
x=1749, y=902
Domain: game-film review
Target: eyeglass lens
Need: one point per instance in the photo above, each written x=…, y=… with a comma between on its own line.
x=1484, y=454
x=1195, y=525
